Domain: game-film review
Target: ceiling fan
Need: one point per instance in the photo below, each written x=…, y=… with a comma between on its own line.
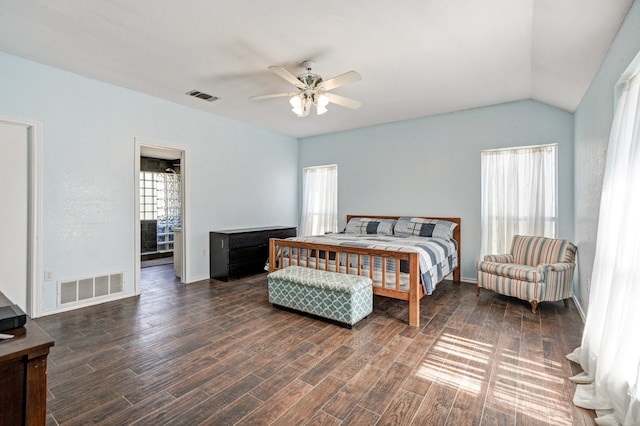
x=313, y=90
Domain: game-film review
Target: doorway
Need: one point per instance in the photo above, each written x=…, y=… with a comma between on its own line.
x=159, y=211
x=21, y=216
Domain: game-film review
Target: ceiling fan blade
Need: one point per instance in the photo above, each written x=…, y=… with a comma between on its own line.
x=343, y=101
x=287, y=76
x=273, y=95
x=341, y=80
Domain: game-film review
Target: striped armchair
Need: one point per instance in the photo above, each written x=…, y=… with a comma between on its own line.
x=537, y=270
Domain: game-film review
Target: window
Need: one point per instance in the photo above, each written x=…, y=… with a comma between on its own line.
x=160, y=200
x=519, y=195
x=319, y=200
x=147, y=196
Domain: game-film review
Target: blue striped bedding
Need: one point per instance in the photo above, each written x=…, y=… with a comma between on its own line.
x=438, y=257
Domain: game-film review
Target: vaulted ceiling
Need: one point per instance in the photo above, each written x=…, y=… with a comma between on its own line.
x=416, y=57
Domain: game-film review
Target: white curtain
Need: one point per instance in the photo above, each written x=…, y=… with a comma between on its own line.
x=610, y=350
x=319, y=200
x=518, y=195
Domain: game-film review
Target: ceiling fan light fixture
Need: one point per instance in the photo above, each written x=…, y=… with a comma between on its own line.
x=301, y=105
x=295, y=101
x=306, y=107
x=314, y=90
x=321, y=103
x=323, y=100
x=298, y=111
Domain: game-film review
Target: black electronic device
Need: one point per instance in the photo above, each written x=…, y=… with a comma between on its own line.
x=11, y=317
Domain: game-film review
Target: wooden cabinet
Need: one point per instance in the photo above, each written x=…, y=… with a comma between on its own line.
x=237, y=252
x=23, y=374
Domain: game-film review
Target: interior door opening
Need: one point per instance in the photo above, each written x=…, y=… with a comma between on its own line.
x=21, y=255
x=160, y=206
x=160, y=209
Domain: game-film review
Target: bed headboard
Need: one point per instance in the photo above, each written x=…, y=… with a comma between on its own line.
x=456, y=231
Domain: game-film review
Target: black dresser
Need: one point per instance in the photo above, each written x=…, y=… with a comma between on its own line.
x=237, y=252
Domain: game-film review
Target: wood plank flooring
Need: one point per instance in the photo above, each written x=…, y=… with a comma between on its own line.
x=218, y=353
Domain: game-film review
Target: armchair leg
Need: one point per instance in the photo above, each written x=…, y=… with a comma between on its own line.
x=477, y=290
x=566, y=302
x=534, y=306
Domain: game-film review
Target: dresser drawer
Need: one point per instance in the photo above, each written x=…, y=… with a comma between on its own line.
x=246, y=239
x=283, y=233
x=259, y=253
x=246, y=268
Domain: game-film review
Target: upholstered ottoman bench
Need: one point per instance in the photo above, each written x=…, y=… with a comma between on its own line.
x=340, y=297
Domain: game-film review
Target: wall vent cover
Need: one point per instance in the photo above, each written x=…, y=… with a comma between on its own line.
x=201, y=95
x=81, y=290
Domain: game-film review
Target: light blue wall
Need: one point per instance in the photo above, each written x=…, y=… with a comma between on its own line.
x=239, y=175
x=593, y=120
x=431, y=166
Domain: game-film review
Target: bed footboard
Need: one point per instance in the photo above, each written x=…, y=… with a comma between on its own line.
x=394, y=274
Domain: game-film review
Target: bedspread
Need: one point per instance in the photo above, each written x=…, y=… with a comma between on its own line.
x=438, y=257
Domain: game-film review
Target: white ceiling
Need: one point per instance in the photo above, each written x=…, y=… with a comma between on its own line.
x=416, y=57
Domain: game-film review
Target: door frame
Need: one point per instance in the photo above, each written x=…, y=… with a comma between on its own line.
x=34, y=208
x=168, y=146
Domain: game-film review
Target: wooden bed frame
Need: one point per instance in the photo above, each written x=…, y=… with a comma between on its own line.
x=413, y=295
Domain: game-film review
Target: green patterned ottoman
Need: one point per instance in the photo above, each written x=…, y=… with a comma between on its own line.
x=340, y=297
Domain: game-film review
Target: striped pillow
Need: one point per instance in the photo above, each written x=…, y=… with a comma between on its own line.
x=368, y=225
x=419, y=227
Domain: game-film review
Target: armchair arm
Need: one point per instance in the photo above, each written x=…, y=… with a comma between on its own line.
x=499, y=258
x=555, y=267
x=558, y=278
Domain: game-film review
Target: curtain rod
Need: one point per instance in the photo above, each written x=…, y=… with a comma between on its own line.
x=514, y=148
x=321, y=167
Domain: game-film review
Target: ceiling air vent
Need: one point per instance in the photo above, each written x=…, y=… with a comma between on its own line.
x=198, y=94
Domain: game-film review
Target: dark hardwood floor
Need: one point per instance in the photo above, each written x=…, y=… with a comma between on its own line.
x=218, y=353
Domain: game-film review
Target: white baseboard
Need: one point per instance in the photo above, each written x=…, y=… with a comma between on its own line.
x=90, y=302
x=198, y=279
x=462, y=279
x=580, y=310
